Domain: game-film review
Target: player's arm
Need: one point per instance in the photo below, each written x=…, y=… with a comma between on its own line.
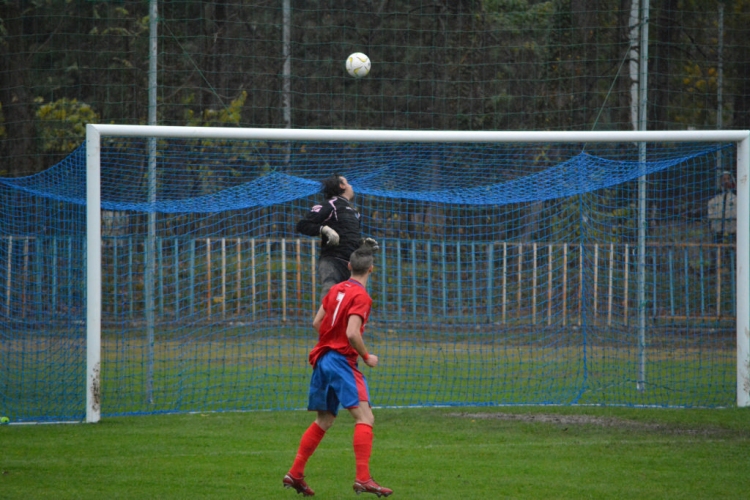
x=312, y=222
x=318, y=320
x=353, y=329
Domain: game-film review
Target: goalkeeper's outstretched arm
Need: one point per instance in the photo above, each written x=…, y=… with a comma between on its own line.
x=311, y=224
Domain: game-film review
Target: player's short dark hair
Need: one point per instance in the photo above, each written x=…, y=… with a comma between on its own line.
x=331, y=186
x=362, y=258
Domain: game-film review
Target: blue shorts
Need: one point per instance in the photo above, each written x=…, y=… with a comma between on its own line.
x=336, y=381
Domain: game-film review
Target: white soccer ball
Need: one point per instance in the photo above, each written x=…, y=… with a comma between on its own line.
x=358, y=65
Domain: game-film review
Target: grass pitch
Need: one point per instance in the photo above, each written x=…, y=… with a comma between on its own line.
x=422, y=453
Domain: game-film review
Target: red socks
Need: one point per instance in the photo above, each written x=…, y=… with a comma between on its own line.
x=362, y=449
x=309, y=442
x=312, y=437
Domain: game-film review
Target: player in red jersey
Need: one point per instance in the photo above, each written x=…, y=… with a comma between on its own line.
x=336, y=380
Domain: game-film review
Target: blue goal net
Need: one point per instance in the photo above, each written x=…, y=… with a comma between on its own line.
x=508, y=274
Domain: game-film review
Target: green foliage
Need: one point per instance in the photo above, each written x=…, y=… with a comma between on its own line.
x=227, y=116
x=605, y=216
x=473, y=65
x=62, y=124
x=519, y=16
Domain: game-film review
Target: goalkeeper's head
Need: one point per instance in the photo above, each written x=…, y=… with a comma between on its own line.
x=361, y=260
x=336, y=185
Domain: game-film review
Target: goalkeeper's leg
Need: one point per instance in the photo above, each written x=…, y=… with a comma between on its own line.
x=330, y=272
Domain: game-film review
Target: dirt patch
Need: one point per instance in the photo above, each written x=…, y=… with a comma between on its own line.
x=570, y=420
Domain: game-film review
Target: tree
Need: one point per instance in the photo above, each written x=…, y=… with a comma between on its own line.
x=17, y=144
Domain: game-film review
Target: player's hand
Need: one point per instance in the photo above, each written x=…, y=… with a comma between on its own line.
x=371, y=243
x=331, y=235
x=371, y=361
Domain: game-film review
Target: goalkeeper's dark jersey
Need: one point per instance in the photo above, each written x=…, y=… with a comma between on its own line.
x=338, y=214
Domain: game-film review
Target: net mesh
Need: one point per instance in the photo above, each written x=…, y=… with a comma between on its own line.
x=508, y=274
x=437, y=65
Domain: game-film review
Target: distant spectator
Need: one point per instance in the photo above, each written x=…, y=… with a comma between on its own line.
x=722, y=211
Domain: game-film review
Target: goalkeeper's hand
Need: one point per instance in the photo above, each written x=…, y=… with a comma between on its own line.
x=331, y=235
x=371, y=243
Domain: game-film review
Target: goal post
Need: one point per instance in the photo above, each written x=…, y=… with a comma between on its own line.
x=93, y=274
x=96, y=133
x=743, y=272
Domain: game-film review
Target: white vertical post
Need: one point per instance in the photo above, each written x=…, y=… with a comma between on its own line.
x=283, y=280
x=642, y=222
x=9, y=278
x=148, y=284
x=286, y=47
x=720, y=75
x=743, y=272
x=93, y=275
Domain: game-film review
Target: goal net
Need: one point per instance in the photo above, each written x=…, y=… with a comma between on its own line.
x=515, y=268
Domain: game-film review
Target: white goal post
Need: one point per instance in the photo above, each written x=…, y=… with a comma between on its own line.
x=94, y=133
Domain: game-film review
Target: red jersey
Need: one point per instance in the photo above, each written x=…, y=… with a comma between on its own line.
x=341, y=301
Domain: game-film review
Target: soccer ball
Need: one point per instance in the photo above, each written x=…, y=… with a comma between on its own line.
x=358, y=65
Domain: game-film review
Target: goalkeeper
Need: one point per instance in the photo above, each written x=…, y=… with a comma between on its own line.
x=337, y=223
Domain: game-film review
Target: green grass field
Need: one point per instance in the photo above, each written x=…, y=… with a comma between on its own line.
x=422, y=453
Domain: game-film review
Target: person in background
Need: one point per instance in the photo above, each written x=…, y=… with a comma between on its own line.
x=722, y=211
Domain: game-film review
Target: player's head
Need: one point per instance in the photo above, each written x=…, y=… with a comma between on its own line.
x=361, y=260
x=337, y=185
x=727, y=180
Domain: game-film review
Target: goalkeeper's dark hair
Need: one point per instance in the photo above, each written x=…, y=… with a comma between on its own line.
x=362, y=258
x=331, y=186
